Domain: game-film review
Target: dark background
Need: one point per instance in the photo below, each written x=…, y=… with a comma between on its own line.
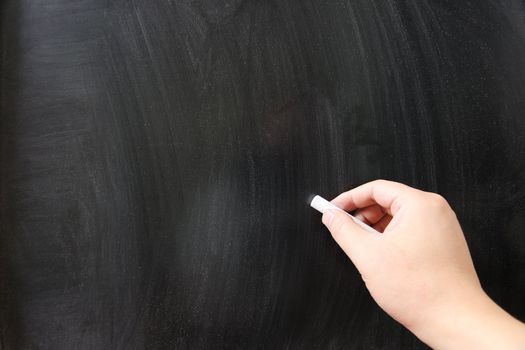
x=156, y=157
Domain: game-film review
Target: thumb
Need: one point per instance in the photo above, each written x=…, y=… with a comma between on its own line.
x=350, y=237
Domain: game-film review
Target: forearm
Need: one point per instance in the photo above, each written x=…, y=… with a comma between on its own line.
x=478, y=323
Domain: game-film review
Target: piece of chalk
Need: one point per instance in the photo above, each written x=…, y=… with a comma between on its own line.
x=320, y=204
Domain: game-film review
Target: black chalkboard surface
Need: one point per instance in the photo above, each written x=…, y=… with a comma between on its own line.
x=156, y=157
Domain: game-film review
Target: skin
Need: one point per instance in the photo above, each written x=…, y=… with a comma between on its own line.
x=419, y=270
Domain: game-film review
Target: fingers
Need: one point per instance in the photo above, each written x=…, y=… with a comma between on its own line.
x=382, y=224
x=350, y=237
x=374, y=216
x=389, y=195
x=370, y=215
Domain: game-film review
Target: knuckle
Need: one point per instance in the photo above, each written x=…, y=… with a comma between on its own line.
x=380, y=182
x=396, y=204
x=437, y=201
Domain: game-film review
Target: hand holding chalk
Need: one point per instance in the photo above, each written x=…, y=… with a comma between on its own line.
x=321, y=205
x=419, y=270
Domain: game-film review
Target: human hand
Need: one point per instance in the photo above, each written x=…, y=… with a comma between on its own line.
x=419, y=268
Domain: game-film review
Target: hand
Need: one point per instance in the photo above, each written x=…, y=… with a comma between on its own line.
x=419, y=268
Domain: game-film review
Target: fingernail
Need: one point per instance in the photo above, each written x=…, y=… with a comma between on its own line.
x=328, y=217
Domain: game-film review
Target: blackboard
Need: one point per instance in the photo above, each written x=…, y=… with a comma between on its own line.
x=156, y=157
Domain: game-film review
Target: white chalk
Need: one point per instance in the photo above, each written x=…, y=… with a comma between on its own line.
x=320, y=204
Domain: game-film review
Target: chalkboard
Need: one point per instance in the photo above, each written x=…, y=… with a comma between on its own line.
x=156, y=157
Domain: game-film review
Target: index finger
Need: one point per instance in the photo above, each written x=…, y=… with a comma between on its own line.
x=382, y=192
